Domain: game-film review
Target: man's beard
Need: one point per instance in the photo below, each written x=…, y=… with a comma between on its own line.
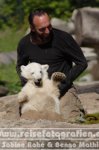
x=41, y=39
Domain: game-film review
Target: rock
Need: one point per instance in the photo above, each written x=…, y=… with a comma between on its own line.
x=95, y=71
x=91, y=64
x=89, y=53
x=90, y=102
x=44, y=115
x=28, y=131
x=86, y=78
x=71, y=106
x=9, y=107
x=86, y=22
x=12, y=55
x=30, y=134
x=83, y=87
x=63, y=25
x=8, y=57
x=4, y=59
x=3, y=91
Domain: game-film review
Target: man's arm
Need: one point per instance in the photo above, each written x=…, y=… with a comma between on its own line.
x=22, y=59
x=75, y=54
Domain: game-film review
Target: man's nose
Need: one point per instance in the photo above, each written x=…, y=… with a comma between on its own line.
x=47, y=30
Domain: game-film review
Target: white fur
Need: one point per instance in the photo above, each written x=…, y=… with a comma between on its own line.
x=35, y=98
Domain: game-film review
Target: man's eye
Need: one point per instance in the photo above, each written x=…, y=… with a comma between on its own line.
x=44, y=28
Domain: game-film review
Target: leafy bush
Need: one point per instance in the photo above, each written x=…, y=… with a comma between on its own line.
x=14, y=13
x=9, y=39
x=8, y=75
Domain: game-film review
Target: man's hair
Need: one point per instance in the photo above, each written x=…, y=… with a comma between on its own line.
x=36, y=12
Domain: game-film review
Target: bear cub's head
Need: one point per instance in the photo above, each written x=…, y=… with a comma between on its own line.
x=35, y=72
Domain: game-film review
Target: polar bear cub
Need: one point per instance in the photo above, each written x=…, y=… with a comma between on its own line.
x=39, y=89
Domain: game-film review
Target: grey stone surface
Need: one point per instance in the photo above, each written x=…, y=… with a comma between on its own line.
x=86, y=22
x=8, y=57
x=3, y=91
x=12, y=123
x=63, y=25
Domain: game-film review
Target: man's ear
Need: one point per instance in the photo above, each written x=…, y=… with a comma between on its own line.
x=45, y=67
x=22, y=67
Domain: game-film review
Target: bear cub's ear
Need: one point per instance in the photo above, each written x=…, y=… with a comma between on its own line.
x=22, y=67
x=45, y=67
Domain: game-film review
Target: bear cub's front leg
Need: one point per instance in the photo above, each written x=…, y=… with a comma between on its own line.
x=22, y=97
x=57, y=77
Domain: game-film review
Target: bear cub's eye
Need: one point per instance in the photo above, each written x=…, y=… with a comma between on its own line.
x=32, y=73
x=41, y=72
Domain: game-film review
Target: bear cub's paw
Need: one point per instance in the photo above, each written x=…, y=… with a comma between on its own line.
x=58, y=76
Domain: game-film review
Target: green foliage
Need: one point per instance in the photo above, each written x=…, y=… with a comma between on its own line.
x=9, y=39
x=9, y=75
x=14, y=13
x=6, y=12
x=8, y=42
x=83, y=3
x=60, y=9
x=92, y=118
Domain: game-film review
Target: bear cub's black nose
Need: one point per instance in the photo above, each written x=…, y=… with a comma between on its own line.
x=39, y=80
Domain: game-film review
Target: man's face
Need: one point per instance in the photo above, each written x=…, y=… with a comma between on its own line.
x=42, y=26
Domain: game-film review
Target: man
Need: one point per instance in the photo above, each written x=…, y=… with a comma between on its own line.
x=47, y=45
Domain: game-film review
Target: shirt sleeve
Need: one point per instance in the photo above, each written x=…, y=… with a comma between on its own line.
x=75, y=54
